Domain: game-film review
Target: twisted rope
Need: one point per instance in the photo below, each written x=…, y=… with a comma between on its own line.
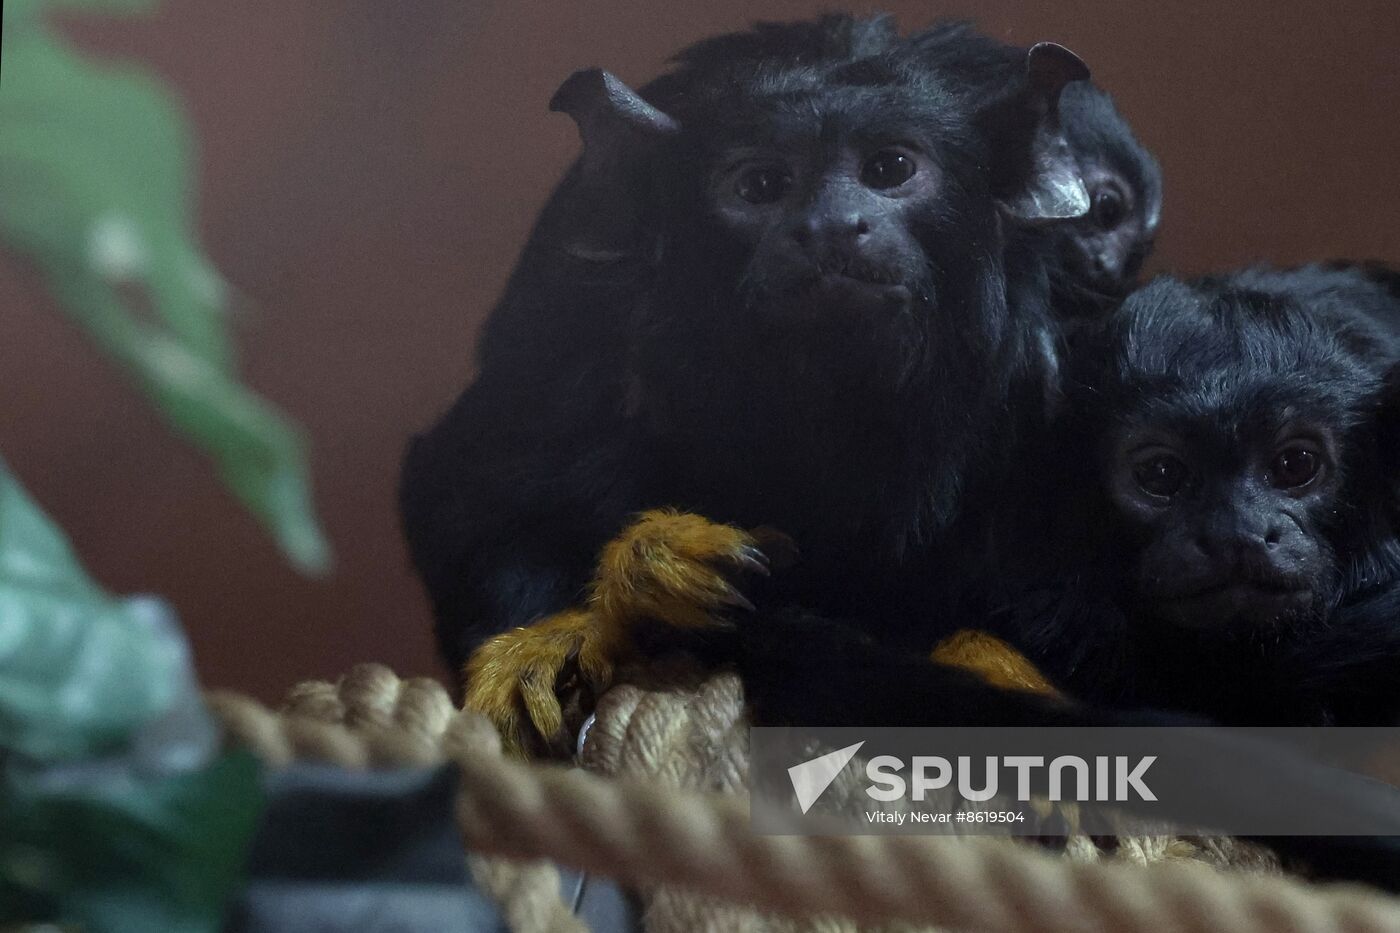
x=644, y=834
x=371, y=719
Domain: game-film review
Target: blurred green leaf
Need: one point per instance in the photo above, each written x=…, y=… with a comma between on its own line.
x=110, y=817
x=79, y=670
x=113, y=813
x=95, y=187
x=128, y=855
x=260, y=456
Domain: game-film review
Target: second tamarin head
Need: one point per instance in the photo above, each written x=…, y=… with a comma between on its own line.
x=1105, y=249
x=1235, y=439
x=1100, y=254
x=1224, y=475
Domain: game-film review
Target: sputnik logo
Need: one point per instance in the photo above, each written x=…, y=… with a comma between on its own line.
x=811, y=778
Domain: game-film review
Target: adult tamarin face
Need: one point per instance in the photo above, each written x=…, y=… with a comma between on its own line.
x=843, y=216
x=829, y=200
x=854, y=202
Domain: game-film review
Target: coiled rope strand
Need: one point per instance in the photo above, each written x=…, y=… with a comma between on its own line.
x=644, y=835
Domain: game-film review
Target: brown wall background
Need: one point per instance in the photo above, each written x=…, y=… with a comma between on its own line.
x=369, y=170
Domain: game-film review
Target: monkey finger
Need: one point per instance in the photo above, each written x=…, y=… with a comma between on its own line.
x=595, y=664
x=780, y=551
x=501, y=705
x=729, y=596
x=542, y=707
x=752, y=559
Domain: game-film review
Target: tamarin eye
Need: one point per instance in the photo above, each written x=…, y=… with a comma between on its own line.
x=1161, y=476
x=1108, y=209
x=763, y=184
x=887, y=169
x=1295, y=467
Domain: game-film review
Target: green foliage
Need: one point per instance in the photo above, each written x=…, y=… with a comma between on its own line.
x=156, y=855
x=111, y=815
x=114, y=813
x=95, y=187
x=79, y=670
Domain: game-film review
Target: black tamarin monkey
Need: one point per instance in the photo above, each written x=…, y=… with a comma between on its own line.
x=558, y=350
x=1100, y=254
x=1223, y=498
x=803, y=293
x=1210, y=526
x=790, y=283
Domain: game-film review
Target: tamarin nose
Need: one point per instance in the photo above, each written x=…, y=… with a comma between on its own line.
x=854, y=225
x=1239, y=544
x=830, y=230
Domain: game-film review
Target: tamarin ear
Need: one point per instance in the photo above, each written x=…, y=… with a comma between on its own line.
x=613, y=120
x=1050, y=66
x=620, y=131
x=1035, y=174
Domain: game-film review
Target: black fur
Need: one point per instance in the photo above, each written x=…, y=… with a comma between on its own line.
x=664, y=376
x=1096, y=263
x=801, y=669
x=658, y=372
x=1218, y=356
x=1058, y=587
